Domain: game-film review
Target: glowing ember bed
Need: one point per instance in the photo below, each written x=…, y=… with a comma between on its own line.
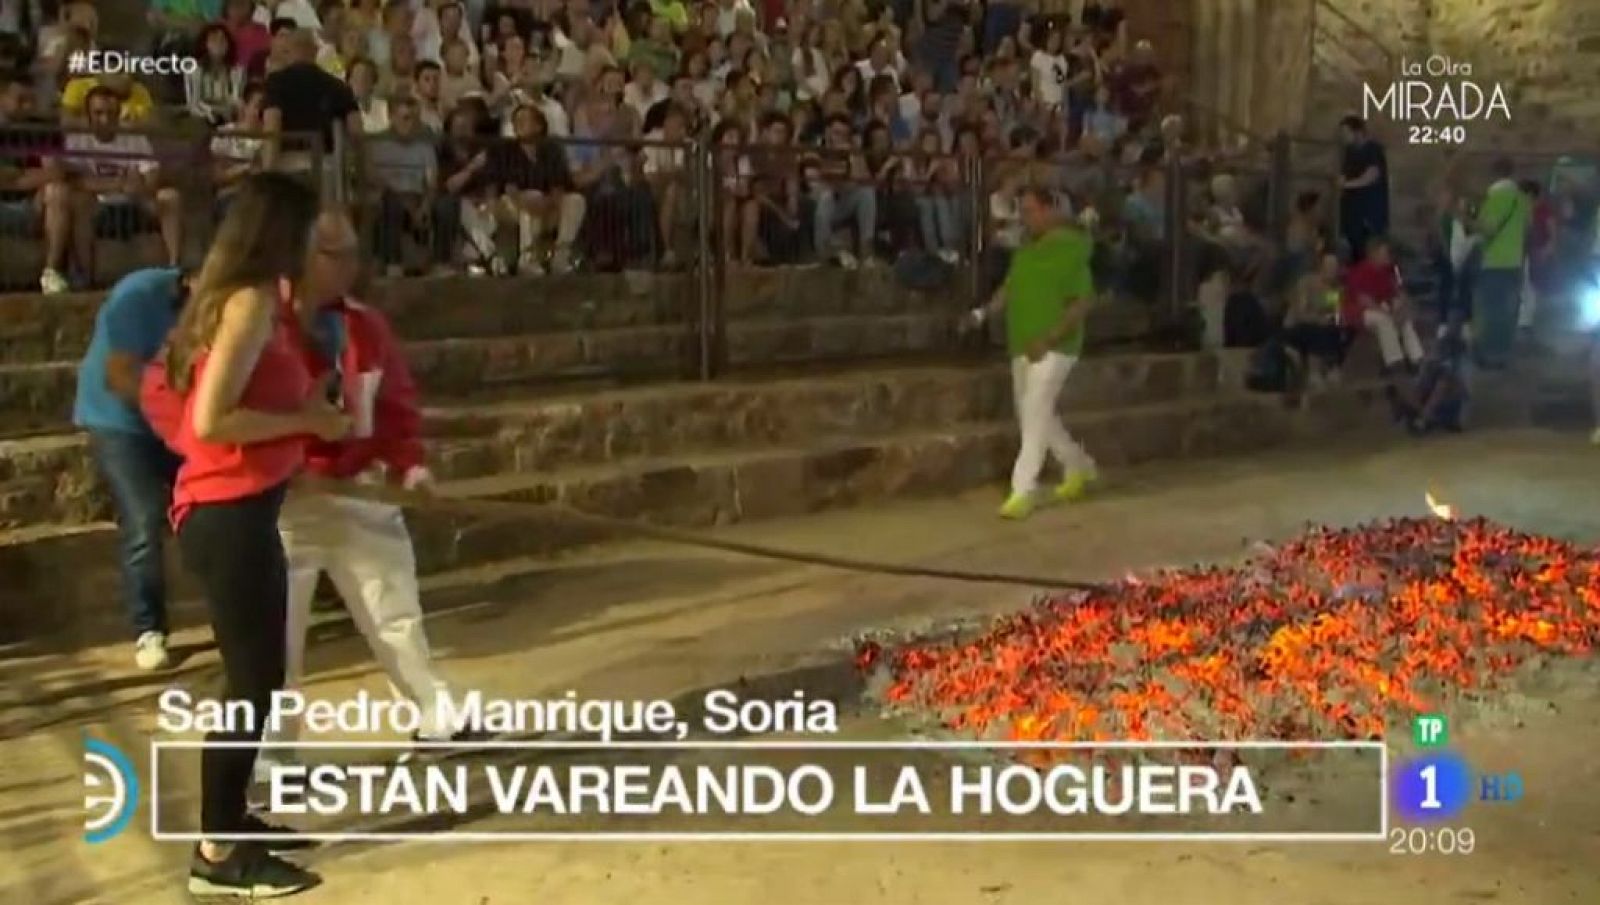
x=1329, y=636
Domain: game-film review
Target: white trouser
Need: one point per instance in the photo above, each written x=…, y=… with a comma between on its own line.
x=1397, y=339
x=365, y=548
x=1036, y=390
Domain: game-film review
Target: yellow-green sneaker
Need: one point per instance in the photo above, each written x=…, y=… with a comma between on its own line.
x=1017, y=506
x=1074, y=485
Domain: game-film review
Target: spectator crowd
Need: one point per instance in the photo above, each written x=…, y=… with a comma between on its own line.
x=543, y=135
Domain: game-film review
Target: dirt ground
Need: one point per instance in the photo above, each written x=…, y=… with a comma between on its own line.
x=637, y=620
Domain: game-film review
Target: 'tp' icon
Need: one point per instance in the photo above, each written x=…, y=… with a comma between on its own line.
x=1430, y=730
x=111, y=791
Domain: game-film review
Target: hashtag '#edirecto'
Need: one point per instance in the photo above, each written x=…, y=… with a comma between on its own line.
x=75, y=62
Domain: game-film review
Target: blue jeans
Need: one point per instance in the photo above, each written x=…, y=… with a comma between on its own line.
x=1494, y=318
x=855, y=202
x=139, y=469
x=936, y=216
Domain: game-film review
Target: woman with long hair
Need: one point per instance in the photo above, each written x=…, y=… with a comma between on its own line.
x=232, y=394
x=214, y=88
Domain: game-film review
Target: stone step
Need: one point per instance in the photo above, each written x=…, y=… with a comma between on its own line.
x=50, y=478
x=62, y=581
x=38, y=328
x=37, y=397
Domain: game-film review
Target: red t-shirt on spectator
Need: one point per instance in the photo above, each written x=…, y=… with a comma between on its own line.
x=1367, y=282
x=251, y=42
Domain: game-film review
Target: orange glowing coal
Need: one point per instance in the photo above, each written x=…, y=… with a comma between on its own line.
x=1332, y=635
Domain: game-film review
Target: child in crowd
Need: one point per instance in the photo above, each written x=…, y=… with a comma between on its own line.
x=1374, y=301
x=1437, y=399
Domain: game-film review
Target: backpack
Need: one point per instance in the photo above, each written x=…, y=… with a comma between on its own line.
x=923, y=271
x=1268, y=371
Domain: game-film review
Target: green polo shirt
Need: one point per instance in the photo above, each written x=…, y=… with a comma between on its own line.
x=1046, y=276
x=1503, y=222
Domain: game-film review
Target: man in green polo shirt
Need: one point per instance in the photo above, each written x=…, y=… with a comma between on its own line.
x=1046, y=296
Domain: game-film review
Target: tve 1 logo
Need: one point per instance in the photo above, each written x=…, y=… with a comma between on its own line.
x=1439, y=784
x=111, y=791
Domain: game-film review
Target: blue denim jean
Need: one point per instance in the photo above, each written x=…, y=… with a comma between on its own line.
x=139, y=470
x=1494, y=320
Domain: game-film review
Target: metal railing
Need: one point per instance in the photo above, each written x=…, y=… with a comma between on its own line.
x=711, y=224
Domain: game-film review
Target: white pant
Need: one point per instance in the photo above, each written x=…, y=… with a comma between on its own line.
x=1036, y=390
x=365, y=548
x=1397, y=338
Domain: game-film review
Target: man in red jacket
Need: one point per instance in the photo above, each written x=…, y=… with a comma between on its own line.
x=363, y=546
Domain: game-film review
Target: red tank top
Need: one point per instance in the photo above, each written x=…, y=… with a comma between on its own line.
x=220, y=472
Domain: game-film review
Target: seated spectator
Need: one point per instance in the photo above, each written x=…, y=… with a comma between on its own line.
x=769, y=229
x=1144, y=213
x=77, y=27
x=672, y=12
x=399, y=75
x=213, y=90
x=1311, y=332
x=621, y=215
x=666, y=170
x=1138, y=85
x=397, y=28
x=133, y=99
x=251, y=39
x=1373, y=301
x=1437, y=400
x=533, y=88
x=237, y=148
x=362, y=78
x=465, y=180
x=33, y=194
x=364, y=17
x=644, y=91
x=537, y=193
x=437, y=23
x=655, y=52
x=405, y=166
x=1102, y=121
x=303, y=13
x=935, y=180
x=1223, y=224
x=177, y=23
x=426, y=90
x=120, y=170
x=582, y=52
x=842, y=189
x=459, y=77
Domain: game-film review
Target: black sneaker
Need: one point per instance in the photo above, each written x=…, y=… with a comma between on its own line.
x=255, y=826
x=249, y=872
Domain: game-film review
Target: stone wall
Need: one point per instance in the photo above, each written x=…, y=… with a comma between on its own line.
x=1544, y=54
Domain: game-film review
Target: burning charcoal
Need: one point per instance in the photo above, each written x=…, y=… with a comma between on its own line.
x=1328, y=635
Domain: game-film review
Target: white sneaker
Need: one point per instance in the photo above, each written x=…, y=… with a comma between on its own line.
x=528, y=265
x=561, y=261
x=949, y=255
x=848, y=261
x=51, y=282
x=268, y=760
x=150, y=652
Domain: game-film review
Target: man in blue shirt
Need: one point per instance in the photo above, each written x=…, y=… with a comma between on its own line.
x=137, y=467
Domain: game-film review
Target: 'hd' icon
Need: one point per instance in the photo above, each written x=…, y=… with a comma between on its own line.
x=1430, y=731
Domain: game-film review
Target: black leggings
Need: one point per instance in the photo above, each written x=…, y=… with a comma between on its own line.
x=234, y=550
